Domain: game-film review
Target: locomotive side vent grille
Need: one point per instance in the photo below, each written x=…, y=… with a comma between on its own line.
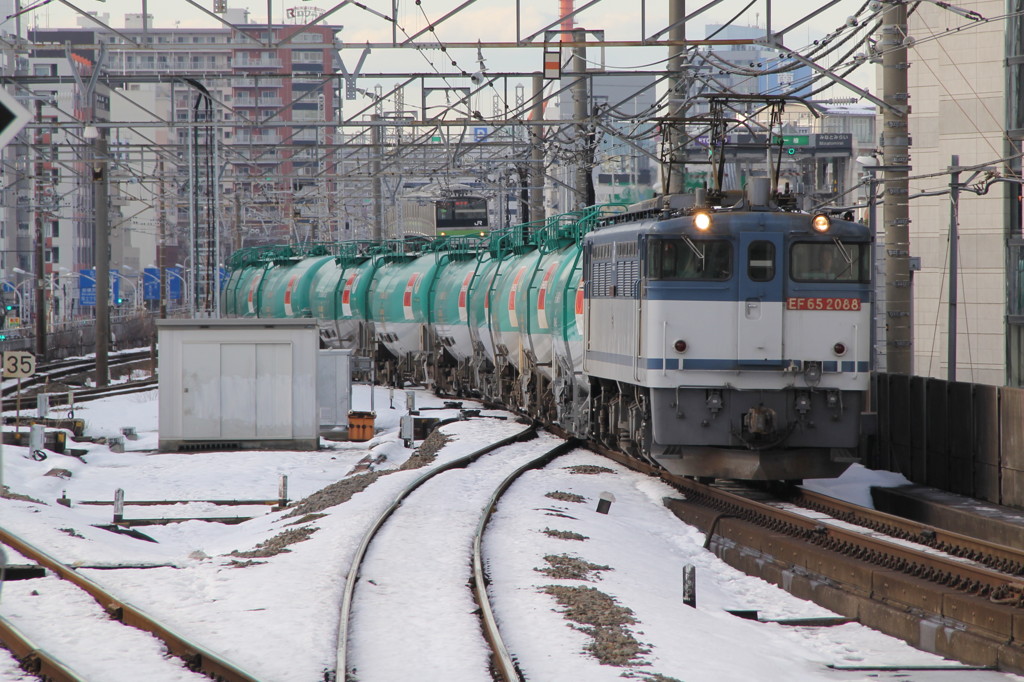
x=629, y=274
x=625, y=249
x=601, y=279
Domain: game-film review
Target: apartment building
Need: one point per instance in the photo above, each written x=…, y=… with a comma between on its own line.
x=224, y=138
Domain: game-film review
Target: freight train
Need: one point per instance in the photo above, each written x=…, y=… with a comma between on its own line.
x=715, y=338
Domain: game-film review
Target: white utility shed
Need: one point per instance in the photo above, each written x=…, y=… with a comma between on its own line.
x=238, y=383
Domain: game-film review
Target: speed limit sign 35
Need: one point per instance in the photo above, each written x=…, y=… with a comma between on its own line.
x=18, y=364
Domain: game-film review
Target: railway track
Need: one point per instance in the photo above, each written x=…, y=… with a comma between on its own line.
x=939, y=591
x=1000, y=558
x=18, y=395
x=37, y=659
x=438, y=550
x=63, y=369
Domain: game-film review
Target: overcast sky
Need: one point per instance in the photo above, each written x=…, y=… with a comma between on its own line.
x=609, y=15
x=485, y=20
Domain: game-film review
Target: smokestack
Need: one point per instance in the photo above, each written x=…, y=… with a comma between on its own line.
x=565, y=8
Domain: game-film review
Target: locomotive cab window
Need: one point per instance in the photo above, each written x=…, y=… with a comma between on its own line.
x=689, y=259
x=761, y=261
x=833, y=261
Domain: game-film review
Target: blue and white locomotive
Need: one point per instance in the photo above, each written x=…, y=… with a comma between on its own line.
x=730, y=341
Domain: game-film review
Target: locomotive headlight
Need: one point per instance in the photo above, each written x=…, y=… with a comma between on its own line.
x=820, y=223
x=702, y=220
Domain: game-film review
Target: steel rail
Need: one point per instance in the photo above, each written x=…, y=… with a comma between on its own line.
x=957, y=573
x=341, y=666
x=1004, y=558
x=196, y=657
x=503, y=660
x=33, y=659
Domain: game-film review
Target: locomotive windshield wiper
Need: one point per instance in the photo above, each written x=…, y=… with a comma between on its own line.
x=696, y=251
x=847, y=258
x=843, y=252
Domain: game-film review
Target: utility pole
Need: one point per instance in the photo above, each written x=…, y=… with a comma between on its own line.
x=676, y=133
x=580, y=113
x=954, y=216
x=38, y=259
x=238, y=222
x=101, y=252
x=377, y=150
x=537, y=150
x=162, y=221
x=899, y=292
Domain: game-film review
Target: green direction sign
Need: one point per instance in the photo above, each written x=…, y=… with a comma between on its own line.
x=793, y=140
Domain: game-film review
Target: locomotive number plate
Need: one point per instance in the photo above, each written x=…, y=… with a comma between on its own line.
x=823, y=303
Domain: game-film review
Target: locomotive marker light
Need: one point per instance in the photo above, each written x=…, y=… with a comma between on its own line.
x=702, y=220
x=839, y=348
x=680, y=346
x=820, y=223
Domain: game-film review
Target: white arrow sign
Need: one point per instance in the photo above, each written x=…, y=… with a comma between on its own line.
x=13, y=117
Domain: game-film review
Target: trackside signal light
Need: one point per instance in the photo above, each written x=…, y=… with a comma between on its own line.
x=702, y=220
x=821, y=223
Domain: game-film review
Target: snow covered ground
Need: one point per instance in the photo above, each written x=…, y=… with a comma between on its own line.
x=277, y=616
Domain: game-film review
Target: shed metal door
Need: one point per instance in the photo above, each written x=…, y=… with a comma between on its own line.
x=200, y=387
x=760, y=287
x=274, y=390
x=237, y=390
